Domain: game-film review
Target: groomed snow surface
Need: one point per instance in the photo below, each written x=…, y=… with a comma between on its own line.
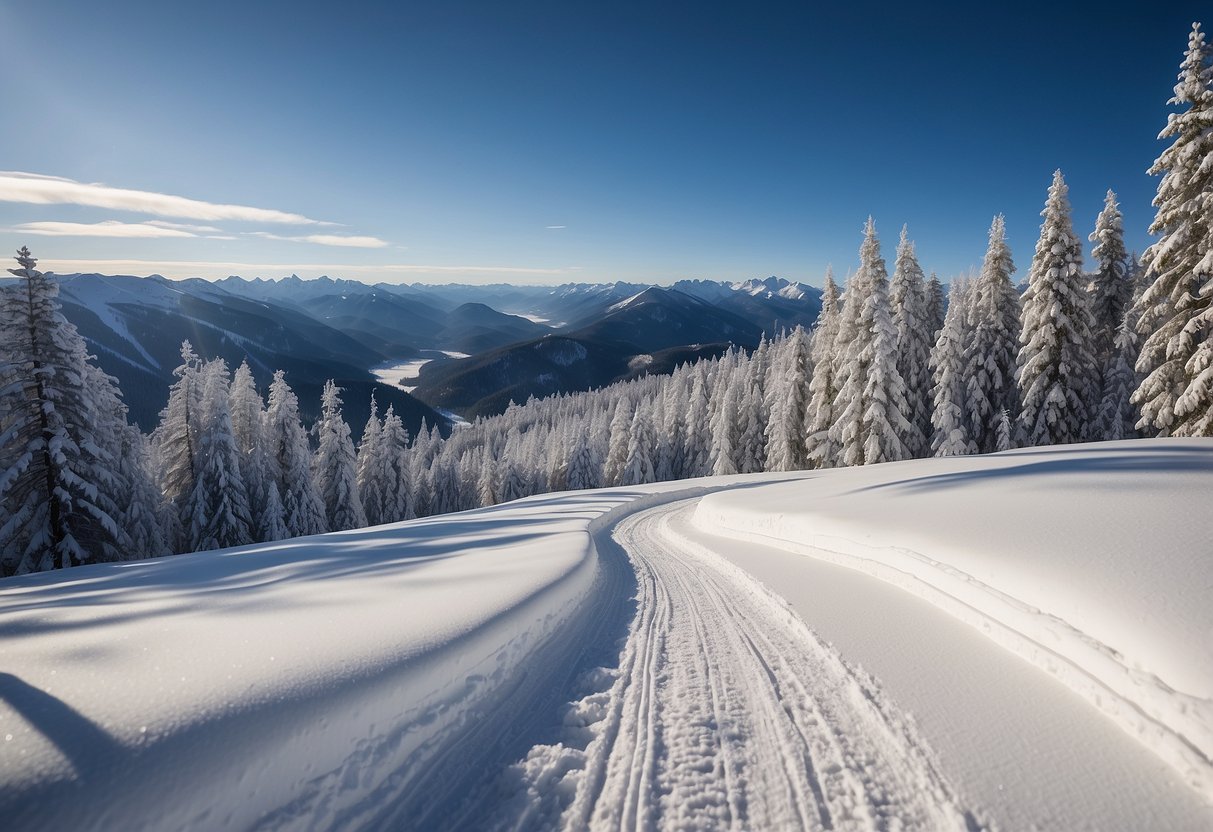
x=1007, y=641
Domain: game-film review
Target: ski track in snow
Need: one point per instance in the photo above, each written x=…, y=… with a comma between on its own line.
x=727, y=712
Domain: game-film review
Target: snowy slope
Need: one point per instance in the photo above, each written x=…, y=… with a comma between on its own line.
x=610, y=659
x=1094, y=562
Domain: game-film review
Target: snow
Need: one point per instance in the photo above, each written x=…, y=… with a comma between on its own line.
x=1093, y=562
x=805, y=650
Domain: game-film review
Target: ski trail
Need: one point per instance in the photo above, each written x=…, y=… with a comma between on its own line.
x=727, y=712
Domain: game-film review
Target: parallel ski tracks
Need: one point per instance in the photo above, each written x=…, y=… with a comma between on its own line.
x=727, y=712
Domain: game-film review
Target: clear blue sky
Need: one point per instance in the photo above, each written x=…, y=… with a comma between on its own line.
x=545, y=142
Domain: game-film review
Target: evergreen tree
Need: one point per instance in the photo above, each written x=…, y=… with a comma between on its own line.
x=1111, y=287
x=725, y=431
x=1056, y=369
x=54, y=468
x=951, y=428
x=176, y=440
x=1117, y=417
x=617, y=445
x=820, y=452
x=788, y=399
x=908, y=295
x=988, y=368
x=216, y=514
x=398, y=482
x=583, y=467
x=302, y=508
x=141, y=514
x=336, y=466
x=937, y=305
x=871, y=400
x=248, y=427
x=371, y=487
x=1176, y=309
x=638, y=467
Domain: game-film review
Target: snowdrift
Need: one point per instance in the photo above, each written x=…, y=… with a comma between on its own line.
x=355, y=679
x=1094, y=562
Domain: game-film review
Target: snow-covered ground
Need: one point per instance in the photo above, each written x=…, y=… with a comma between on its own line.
x=815, y=650
x=397, y=374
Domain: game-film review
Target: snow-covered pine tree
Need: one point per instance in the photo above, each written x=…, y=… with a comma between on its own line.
x=989, y=356
x=1117, y=416
x=951, y=428
x=1176, y=310
x=1111, y=287
x=751, y=450
x=871, y=402
x=617, y=444
x=788, y=397
x=726, y=434
x=51, y=459
x=216, y=514
x=369, y=463
x=638, y=467
x=302, y=508
x=1057, y=377
x=697, y=433
x=908, y=296
x=141, y=514
x=397, y=478
x=335, y=465
x=248, y=428
x=176, y=438
x=583, y=467
x=820, y=452
x=937, y=305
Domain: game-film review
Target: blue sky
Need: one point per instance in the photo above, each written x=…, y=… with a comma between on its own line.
x=549, y=142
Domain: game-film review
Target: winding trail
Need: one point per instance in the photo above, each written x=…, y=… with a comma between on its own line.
x=727, y=712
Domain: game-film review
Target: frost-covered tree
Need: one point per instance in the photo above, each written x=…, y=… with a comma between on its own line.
x=1057, y=377
x=56, y=475
x=726, y=431
x=141, y=513
x=936, y=305
x=176, y=438
x=617, y=444
x=302, y=508
x=396, y=475
x=788, y=402
x=871, y=402
x=583, y=467
x=336, y=466
x=638, y=467
x=820, y=452
x=1117, y=417
x=1176, y=309
x=216, y=514
x=1111, y=287
x=697, y=433
x=988, y=369
x=248, y=428
x=951, y=428
x=908, y=296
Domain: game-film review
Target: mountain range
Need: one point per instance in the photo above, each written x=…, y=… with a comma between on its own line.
x=518, y=341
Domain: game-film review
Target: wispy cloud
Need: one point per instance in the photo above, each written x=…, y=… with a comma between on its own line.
x=109, y=228
x=195, y=229
x=36, y=189
x=197, y=268
x=341, y=240
x=555, y=227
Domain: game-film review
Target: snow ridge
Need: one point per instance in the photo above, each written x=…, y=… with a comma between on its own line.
x=1177, y=727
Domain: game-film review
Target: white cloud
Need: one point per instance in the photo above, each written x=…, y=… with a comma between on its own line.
x=216, y=269
x=36, y=189
x=109, y=228
x=195, y=229
x=555, y=227
x=344, y=241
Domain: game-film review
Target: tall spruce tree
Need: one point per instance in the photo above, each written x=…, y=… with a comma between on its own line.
x=1057, y=377
x=988, y=368
x=908, y=296
x=819, y=450
x=217, y=513
x=302, y=508
x=950, y=394
x=55, y=470
x=871, y=403
x=1111, y=286
x=1176, y=308
x=336, y=466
